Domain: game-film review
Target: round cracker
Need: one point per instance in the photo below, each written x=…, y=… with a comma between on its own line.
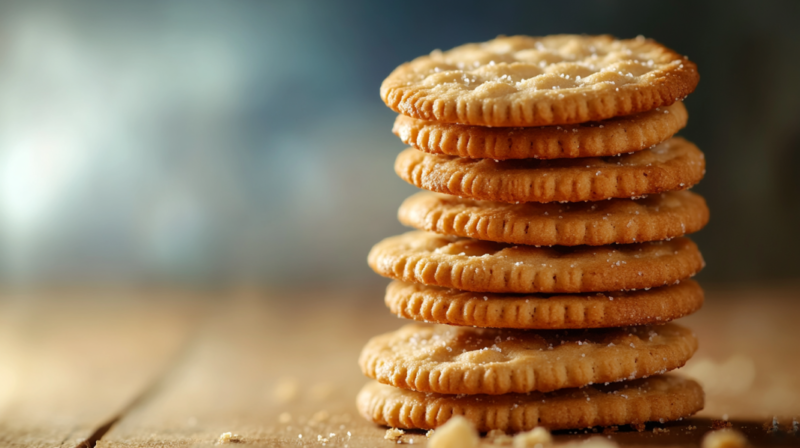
x=674, y=164
x=621, y=221
x=595, y=139
x=658, y=398
x=465, y=360
x=484, y=266
x=541, y=311
x=540, y=81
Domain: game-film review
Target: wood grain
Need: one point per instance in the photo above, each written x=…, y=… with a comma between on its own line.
x=259, y=358
x=228, y=381
x=270, y=367
x=72, y=362
x=749, y=356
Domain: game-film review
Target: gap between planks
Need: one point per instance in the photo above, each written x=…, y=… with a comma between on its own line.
x=75, y=360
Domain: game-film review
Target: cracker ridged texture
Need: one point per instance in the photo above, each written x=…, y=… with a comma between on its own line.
x=620, y=221
x=543, y=312
x=663, y=397
x=527, y=81
x=607, y=138
x=674, y=164
x=484, y=266
x=465, y=360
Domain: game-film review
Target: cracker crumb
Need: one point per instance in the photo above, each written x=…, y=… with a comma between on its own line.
x=771, y=426
x=724, y=438
x=720, y=424
x=537, y=437
x=610, y=429
x=660, y=430
x=227, y=437
x=499, y=437
x=430, y=433
x=393, y=434
x=458, y=432
x=637, y=426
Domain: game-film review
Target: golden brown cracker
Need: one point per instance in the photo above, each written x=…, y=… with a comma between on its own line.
x=483, y=266
x=542, y=311
x=540, y=81
x=622, y=221
x=674, y=164
x=658, y=398
x=594, y=139
x=465, y=360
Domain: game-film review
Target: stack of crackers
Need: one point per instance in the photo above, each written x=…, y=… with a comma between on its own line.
x=550, y=252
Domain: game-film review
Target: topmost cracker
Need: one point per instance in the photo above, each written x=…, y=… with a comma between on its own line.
x=540, y=81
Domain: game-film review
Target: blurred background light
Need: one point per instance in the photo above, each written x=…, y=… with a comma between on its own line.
x=209, y=142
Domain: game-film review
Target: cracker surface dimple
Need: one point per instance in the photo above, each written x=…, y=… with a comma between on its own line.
x=596, y=139
x=621, y=221
x=540, y=81
x=675, y=164
x=465, y=360
x=660, y=397
x=543, y=311
x=484, y=266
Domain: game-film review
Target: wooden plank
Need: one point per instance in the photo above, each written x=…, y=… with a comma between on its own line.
x=72, y=362
x=272, y=370
x=749, y=358
x=260, y=359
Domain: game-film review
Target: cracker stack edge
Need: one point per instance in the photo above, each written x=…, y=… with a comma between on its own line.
x=550, y=249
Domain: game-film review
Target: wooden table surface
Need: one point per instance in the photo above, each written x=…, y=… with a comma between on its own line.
x=149, y=369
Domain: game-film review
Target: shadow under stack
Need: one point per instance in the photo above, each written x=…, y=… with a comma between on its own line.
x=550, y=251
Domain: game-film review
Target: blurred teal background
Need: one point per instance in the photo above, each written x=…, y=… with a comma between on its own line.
x=215, y=142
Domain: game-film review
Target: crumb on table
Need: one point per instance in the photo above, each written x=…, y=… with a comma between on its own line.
x=458, y=432
x=720, y=424
x=393, y=434
x=724, y=438
x=537, y=436
x=227, y=437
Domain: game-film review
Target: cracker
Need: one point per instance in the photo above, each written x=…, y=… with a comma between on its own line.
x=458, y=432
x=658, y=398
x=541, y=311
x=655, y=217
x=675, y=164
x=466, y=360
x=484, y=266
x=594, y=139
x=724, y=438
x=540, y=81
